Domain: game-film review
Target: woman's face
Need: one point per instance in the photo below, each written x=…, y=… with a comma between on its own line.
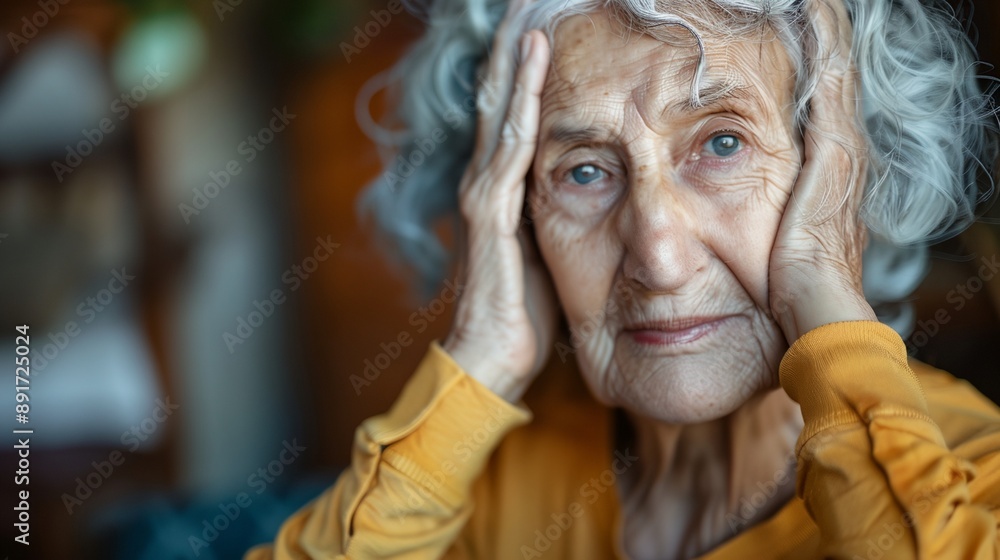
x=656, y=218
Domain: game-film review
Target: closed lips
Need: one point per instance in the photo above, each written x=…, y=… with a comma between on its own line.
x=674, y=331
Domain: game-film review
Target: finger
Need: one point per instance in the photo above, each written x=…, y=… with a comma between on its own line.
x=835, y=94
x=493, y=90
x=499, y=186
x=834, y=145
x=518, y=138
x=832, y=25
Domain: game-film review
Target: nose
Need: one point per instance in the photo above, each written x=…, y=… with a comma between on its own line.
x=659, y=228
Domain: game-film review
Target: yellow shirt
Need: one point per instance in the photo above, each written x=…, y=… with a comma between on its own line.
x=896, y=460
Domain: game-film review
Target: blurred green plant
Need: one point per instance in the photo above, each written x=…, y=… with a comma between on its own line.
x=297, y=27
x=311, y=26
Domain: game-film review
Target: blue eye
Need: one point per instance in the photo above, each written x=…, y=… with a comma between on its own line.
x=586, y=173
x=725, y=145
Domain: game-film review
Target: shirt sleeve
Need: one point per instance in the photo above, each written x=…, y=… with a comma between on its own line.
x=407, y=491
x=874, y=470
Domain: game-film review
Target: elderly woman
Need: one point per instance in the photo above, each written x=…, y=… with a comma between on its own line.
x=692, y=185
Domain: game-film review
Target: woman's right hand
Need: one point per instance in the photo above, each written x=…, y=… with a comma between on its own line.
x=505, y=318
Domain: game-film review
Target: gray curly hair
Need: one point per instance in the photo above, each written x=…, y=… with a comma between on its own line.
x=929, y=124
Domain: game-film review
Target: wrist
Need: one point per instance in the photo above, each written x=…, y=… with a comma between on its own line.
x=813, y=308
x=478, y=362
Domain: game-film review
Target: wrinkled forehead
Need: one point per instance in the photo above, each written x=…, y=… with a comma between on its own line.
x=597, y=57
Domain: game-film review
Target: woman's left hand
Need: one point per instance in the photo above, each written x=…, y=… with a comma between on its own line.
x=815, y=269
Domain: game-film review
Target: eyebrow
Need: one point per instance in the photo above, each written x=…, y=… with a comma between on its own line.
x=710, y=95
x=562, y=133
x=714, y=93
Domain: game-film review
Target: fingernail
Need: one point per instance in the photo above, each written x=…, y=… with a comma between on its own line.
x=525, y=47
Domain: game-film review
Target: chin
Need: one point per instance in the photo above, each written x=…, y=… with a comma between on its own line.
x=688, y=388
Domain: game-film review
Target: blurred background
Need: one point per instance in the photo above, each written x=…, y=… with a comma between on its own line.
x=207, y=318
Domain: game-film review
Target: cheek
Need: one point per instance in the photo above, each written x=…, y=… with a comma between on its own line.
x=745, y=222
x=580, y=257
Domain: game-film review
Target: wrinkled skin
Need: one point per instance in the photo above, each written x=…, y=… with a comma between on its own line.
x=652, y=215
x=669, y=225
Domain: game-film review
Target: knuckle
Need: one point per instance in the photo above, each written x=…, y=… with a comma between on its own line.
x=841, y=156
x=513, y=133
x=467, y=207
x=488, y=99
